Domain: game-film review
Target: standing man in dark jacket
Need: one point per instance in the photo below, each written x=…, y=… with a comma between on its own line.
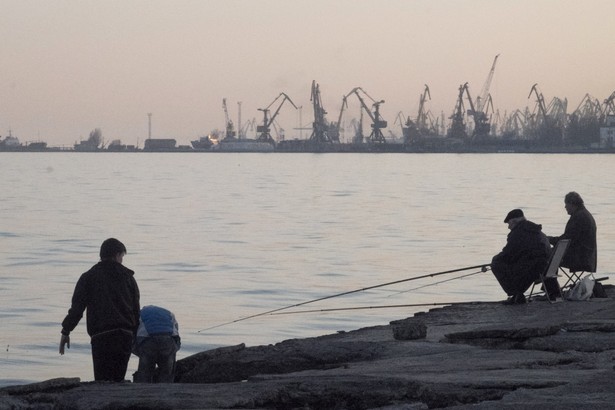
x=110, y=294
x=524, y=257
x=581, y=255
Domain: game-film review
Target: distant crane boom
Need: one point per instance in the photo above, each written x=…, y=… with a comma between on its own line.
x=481, y=100
x=540, y=101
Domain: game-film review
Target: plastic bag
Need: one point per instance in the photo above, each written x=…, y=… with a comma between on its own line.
x=583, y=289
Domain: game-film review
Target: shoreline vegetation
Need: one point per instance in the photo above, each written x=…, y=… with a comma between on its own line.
x=478, y=355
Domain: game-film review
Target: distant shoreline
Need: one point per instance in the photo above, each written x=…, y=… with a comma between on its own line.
x=388, y=149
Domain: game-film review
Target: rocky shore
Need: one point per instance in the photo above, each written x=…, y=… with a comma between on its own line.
x=473, y=355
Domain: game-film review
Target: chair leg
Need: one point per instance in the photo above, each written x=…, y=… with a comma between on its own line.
x=532, y=290
x=572, y=278
x=541, y=280
x=559, y=290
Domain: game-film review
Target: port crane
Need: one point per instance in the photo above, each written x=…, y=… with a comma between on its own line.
x=264, y=130
x=424, y=124
x=583, y=125
x=320, y=126
x=547, y=131
x=458, y=126
x=540, y=102
x=421, y=118
x=482, y=125
x=402, y=121
x=338, y=126
x=478, y=110
x=588, y=108
x=609, y=106
x=248, y=126
x=357, y=125
x=229, y=127
x=514, y=125
x=378, y=124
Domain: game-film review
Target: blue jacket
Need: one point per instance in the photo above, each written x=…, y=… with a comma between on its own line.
x=157, y=321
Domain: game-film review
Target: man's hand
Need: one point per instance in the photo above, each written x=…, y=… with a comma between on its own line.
x=64, y=340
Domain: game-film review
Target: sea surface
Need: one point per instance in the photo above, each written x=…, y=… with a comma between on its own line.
x=221, y=239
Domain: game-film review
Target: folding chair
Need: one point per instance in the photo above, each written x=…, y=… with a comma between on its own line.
x=552, y=268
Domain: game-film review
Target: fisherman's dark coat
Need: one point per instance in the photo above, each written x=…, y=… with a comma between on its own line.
x=524, y=257
x=581, y=254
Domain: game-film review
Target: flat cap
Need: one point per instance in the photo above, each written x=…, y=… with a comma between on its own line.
x=515, y=213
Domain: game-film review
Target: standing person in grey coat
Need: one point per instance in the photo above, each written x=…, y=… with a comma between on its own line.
x=157, y=344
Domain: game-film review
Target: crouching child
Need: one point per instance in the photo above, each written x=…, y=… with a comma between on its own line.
x=156, y=345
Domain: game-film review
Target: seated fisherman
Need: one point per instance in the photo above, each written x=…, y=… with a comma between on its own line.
x=524, y=257
x=581, y=255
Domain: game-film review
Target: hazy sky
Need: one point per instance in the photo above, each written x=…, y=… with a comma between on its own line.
x=69, y=66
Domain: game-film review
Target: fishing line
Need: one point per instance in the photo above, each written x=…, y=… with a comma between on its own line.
x=483, y=268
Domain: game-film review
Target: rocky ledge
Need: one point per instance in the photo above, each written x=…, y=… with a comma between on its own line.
x=539, y=355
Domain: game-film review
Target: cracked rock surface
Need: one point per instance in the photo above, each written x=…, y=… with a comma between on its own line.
x=472, y=355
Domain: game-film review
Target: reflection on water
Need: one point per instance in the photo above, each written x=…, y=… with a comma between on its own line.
x=216, y=238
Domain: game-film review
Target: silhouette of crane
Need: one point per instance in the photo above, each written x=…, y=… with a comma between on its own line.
x=265, y=128
x=228, y=125
x=378, y=124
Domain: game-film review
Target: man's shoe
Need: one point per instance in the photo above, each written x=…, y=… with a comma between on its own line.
x=508, y=301
x=520, y=299
x=515, y=300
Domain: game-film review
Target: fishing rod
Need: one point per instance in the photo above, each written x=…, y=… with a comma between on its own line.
x=368, y=307
x=483, y=268
x=436, y=283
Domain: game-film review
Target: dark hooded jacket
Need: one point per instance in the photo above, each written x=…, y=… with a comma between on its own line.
x=581, y=254
x=525, y=240
x=524, y=257
x=110, y=294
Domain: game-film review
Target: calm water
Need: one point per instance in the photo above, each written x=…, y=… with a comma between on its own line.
x=218, y=237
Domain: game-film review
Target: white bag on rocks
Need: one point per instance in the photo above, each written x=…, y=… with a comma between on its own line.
x=583, y=289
